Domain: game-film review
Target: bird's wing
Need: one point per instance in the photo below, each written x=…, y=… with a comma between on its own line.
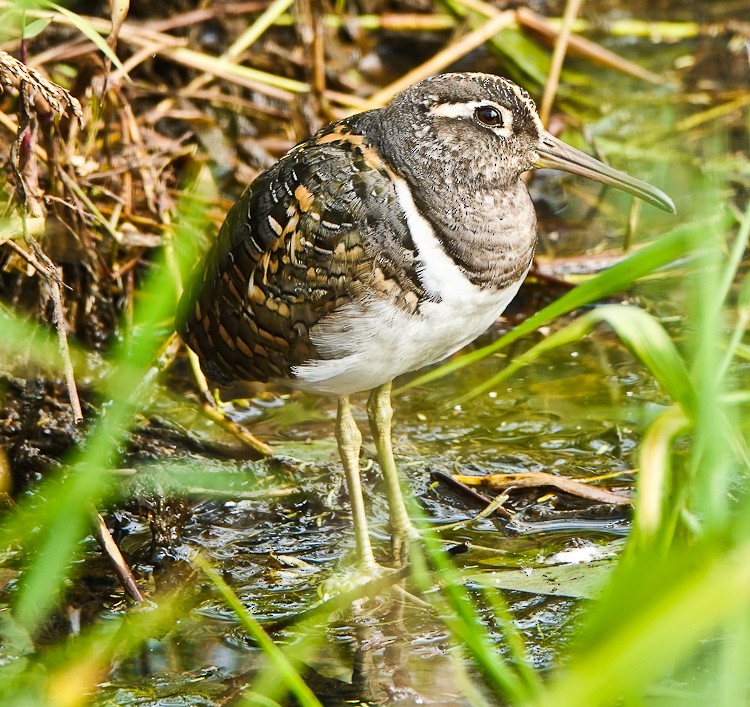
x=309, y=235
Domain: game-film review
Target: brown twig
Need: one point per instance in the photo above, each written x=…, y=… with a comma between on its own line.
x=109, y=546
x=237, y=430
x=53, y=279
x=586, y=48
x=558, y=57
x=529, y=479
x=467, y=492
x=58, y=319
x=446, y=57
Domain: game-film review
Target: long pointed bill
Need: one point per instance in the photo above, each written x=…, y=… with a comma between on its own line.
x=555, y=154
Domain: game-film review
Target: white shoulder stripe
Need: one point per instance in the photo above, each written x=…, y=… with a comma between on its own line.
x=439, y=273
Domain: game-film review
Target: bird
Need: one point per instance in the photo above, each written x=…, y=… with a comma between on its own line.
x=383, y=244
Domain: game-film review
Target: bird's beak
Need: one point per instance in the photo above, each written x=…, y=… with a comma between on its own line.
x=555, y=154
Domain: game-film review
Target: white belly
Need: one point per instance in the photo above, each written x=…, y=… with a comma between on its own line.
x=370, y=345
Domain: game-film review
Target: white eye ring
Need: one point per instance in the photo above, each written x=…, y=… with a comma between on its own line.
x=500, y=122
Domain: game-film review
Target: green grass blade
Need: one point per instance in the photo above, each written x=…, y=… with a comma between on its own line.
x=462, y=620
x=60, y=511
x=256, y=30
x=670, y=247
x=70, y=672
x=638, y=330
x=87, y=31
x=654, y=502
x=655, y=617
x=285, y=670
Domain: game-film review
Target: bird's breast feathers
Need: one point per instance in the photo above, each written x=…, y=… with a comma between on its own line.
x=369, y=341
x=328, y=276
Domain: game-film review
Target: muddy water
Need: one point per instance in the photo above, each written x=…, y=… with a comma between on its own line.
x=278, y=531
x=574, y=413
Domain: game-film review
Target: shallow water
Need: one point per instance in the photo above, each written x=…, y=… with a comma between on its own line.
x=577, y=412
x=574, y=413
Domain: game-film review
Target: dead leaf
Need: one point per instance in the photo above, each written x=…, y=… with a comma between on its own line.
x=539, y=478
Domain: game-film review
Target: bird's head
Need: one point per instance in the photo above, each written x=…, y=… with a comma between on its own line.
x=483, y=131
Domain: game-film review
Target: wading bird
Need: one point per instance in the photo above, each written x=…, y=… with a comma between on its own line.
x=382, y=244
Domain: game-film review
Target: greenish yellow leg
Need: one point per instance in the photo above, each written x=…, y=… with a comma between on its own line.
x=349, y=439
x=380, y=414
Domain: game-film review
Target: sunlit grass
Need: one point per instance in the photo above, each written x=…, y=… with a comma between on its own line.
x=676, y=605
x=61, y=508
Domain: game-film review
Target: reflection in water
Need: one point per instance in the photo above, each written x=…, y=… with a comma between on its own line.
x=275, y=551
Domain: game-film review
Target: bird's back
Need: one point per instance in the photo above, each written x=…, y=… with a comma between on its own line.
x=316, y=231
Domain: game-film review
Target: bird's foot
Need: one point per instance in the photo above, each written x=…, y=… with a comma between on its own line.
x=402, y=538
x=365, y=580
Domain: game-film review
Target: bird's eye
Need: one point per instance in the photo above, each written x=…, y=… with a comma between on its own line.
x=487, y=115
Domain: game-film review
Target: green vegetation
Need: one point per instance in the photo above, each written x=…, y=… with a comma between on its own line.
x=103, y=215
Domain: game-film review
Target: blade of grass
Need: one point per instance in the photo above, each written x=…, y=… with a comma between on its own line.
x=229, y=70
x=639, y=331
x=62, y=518
x=525, y=60
x=710, y=493
x=654, y=478
x=88, y=31
x=457, y=609
x=284, y=668
x=70, y=672
x=670, y=247
x=255, y=31
x=235, y=50
x=657, y=615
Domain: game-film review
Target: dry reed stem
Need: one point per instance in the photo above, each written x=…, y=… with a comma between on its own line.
x=578, y=45
x=58, y=319
x=586, y=48
x=238, y=431
x=446, y=57
x=112, y=551
x=234, y=52
x=52, y=277
x=528, y=479
x=558, y=57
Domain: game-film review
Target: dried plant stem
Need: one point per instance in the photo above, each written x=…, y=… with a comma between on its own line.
x=53, y=279
x=238, y=431
x=58, y=319
x=235, y=50
x=74, y=187
x=200, y=378
x=585, y=47
x=164, y=358
x=525, y=17
x=445, y=57
x=122, y=570
x=531, y=479
x=558, y=57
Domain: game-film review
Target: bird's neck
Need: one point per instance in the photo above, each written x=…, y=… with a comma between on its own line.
x=489, y=234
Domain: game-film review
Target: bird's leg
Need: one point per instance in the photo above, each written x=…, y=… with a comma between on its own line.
x=349, y=439
x=380, y=414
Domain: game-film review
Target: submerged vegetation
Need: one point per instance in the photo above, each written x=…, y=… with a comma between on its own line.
x=126, y=135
